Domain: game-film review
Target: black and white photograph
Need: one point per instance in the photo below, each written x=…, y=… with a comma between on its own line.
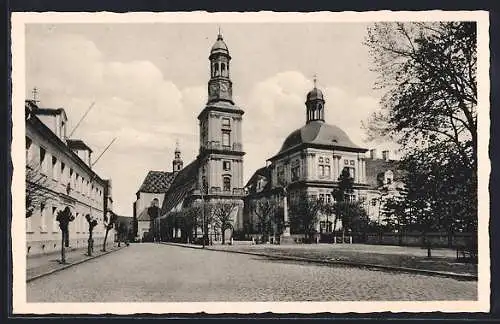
x=250, y=162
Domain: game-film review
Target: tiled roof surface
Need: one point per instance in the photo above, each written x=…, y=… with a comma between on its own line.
x=157, y=182
x=376, y=167
x=183, y=184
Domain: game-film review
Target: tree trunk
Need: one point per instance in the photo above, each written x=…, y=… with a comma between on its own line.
x=223, y=235
x=90, y=245
x=105, y=238
x=63, y=254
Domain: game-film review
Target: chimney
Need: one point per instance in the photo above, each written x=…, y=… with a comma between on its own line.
x=385, y=155
x=373, y=154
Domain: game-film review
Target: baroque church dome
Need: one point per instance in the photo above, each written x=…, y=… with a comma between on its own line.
x=315, y=94
x=316, y=132
x=319, y=133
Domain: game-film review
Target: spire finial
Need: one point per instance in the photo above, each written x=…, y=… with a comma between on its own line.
x=35, y=94
x=219, y=35
x=315, y=79
x=177, y=149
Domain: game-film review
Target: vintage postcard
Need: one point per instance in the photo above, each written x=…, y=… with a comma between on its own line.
x=250, y=162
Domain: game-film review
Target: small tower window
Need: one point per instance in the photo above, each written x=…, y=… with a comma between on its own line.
x=216, y=69
x=223, y=68
x=226, y=165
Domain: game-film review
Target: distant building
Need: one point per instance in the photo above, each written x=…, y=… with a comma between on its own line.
x=152, y=193
x=218, y=168
x=59, y=174
x=385, y=180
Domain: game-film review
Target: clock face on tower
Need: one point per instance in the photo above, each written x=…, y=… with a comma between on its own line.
x=213, y=90
x=223, y=87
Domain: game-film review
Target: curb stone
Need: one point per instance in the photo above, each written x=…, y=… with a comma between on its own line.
x=458, y=276
x=69, y=265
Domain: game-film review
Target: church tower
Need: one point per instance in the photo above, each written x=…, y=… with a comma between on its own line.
x=177, y=163
x=221, y=151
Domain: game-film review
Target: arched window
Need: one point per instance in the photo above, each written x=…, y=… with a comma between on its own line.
x=226, y=180
x=216, y=65
x=223, y=68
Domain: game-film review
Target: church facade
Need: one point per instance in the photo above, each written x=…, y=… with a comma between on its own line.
x=217, y=172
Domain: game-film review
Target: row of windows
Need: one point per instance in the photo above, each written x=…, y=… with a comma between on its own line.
x=324, y=172
x=47, y=216
x=58, y=171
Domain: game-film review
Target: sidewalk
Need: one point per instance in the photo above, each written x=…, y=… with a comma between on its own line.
x=40, y=265
x=397, y=258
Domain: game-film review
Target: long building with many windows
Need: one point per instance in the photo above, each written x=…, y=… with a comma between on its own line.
x=58, y=175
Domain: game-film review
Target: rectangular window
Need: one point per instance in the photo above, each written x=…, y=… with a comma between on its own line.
x=226, y=183
x=281, y=174
x=352, y=162
x=28, y=149
x=327, y=171
x=295, y=172
x=54, y=168
x=352, y=172
x=226, y=165
x=328, y=198
x=55, y=223
x=29, y=224
x=43, y=220
x=63, y=176
x=226, y=122
x=346, y=162
x=322, y=197
x=321, y=171
x=71, y=183
x=42, y=160
x=226, y=139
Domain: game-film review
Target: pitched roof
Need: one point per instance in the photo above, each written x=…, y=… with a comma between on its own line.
x=157, y=182
x=184, y=182
x=262, y=173
x=77, y=144
x=376, y=167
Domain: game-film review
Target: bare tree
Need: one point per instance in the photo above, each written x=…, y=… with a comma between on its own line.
x=39, y=188
x=92, y=222
x=305, y=214
x=64, y=217
x=109, y=223
x=222, y=215
x=265, y=209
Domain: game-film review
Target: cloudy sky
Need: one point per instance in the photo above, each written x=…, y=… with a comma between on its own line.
x=148, y=82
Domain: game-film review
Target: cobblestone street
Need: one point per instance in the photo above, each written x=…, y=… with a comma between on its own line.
x=153, y=273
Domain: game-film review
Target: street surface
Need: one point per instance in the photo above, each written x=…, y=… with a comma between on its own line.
x=150, y=272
